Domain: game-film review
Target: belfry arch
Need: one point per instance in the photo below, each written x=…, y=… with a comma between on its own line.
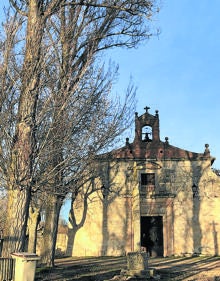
x=147, y=127
x=146, y=133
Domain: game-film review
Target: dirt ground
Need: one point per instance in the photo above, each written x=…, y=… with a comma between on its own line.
x=109, y=268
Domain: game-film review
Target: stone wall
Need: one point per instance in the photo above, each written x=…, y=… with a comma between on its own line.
x=190, y=219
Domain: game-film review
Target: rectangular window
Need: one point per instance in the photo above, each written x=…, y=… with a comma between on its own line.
x=148, y=179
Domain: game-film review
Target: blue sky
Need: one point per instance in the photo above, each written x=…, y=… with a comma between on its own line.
x=178, y=73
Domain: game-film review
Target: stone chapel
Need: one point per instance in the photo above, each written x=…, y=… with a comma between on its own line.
x=154, y=197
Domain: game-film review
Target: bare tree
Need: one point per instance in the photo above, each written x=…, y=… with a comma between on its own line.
x=33, y=223
x=76, y=52
x=92, y=134
x=58, y=98
x=3, y=208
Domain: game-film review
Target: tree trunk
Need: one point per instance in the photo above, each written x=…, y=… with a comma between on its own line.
x=34, y=219
x=48, y=245
x=74, y=226
x=17, y=215
x=22, y=155
x=71, y=240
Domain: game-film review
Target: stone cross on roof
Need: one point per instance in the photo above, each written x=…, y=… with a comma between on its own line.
x=146, y=108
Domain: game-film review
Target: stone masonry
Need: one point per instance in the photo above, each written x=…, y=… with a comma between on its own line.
x=154, y=197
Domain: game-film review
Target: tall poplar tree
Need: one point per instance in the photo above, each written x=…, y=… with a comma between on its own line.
x=56, y=69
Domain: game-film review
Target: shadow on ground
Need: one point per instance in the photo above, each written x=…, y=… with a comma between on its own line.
x=105, y=268
x=187, y=268
x=87, y=269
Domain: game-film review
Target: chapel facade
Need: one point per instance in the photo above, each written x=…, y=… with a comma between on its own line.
x=153, y=197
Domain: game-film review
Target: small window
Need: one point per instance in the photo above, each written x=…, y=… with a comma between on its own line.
x=148, y=179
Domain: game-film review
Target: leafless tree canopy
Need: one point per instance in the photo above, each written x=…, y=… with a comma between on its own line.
x=56, y=106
